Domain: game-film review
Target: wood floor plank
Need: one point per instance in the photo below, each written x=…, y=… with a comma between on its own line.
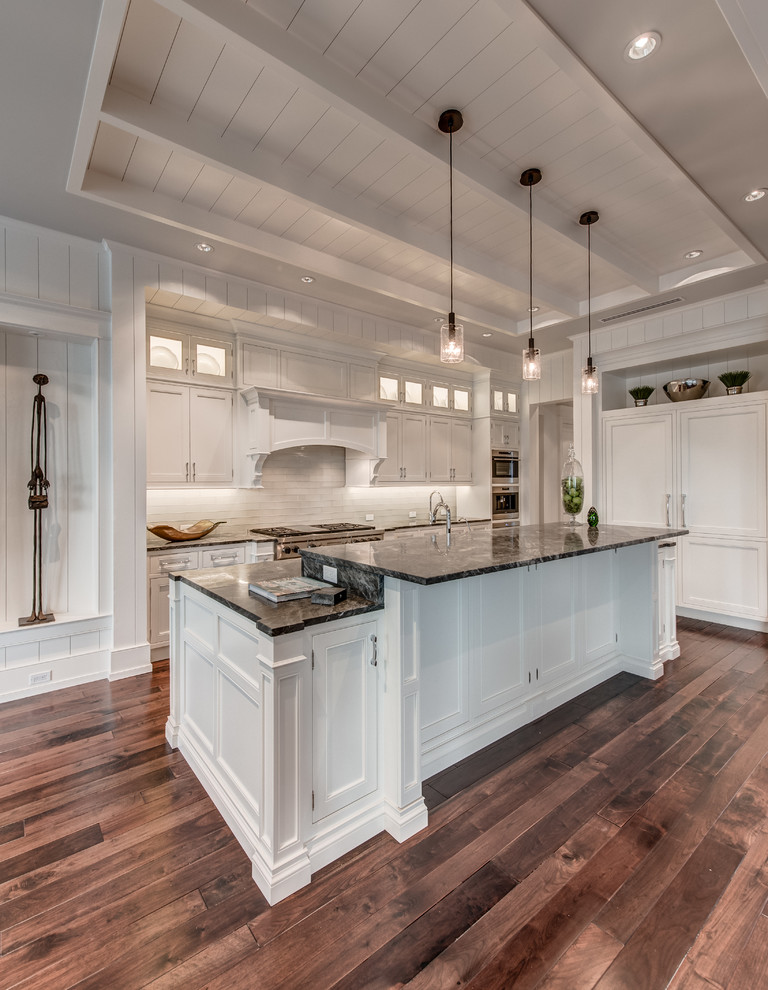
x=620, y=838
x=659, y=944
x=582, y=965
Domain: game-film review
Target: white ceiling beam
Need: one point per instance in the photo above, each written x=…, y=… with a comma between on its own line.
x=542, y=34
x=104, y=48
x=182, y=216
x=206, y=144
x=234, y=23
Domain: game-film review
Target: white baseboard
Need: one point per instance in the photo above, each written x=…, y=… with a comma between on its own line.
x=129, y=662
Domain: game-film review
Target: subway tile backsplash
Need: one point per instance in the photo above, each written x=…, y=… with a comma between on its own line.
x=301, y=485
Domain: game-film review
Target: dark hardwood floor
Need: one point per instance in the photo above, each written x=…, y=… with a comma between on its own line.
x=619, y=842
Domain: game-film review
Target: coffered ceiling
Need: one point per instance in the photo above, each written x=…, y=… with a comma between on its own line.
x=299, y=137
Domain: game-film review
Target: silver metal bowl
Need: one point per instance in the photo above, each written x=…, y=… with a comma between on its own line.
x=686, y=388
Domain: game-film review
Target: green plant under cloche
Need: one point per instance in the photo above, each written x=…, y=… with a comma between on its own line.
x=734, y=379
x=642, y=391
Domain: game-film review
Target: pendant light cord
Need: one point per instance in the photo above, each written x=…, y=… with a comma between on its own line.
x=589, y=294
x=530, y=265
x=451, y=317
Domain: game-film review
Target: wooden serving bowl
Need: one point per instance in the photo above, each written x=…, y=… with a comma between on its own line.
x=195, y=532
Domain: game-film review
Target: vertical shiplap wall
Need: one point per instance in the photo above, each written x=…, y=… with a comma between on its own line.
x=70, y=523
x=41, y=264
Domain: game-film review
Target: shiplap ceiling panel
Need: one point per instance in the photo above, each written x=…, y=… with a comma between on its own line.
x=318, y=22
x=229, y=83
x=208, y=186
x=146, y=40
x=263, y=104
x=366, y=30
x=330, y=131
x=112, y=151
x=315, y=121
x=466, y=40
x=235, y=198
x=188, y=67
x=146, y=164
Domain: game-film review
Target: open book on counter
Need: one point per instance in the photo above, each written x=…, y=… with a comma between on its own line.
x=287, y=589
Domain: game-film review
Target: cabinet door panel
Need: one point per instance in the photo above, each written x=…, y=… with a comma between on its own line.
x=390, y=470
x=210, y=417
x=638, y=466
x=724, y=575
x=159, y=612
x=414, y=446
x=723, y=470
x=344, y=718
x=461, y=450
x=439, y=450
x=167, y=434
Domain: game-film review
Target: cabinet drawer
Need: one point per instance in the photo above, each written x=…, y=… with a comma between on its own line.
x=176, y=560
x=222, y=556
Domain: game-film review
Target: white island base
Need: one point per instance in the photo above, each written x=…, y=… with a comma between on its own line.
x=311, y=742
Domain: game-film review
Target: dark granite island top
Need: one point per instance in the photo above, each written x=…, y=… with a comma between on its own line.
x=229, y=586
x=425, y=558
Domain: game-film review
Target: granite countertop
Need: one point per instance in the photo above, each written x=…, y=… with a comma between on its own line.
x=229, y=586
x=424, y=557
x=216, y=538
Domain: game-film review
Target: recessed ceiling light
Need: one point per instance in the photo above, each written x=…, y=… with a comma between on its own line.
x=204, y=246
x=754, y=195
x=533, y=309
x=438, y=319
x=642, y=46
x=487, y=334
x=690, y=255
x=307, y=278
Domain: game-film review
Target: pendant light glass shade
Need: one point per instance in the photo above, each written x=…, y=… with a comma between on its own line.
x=531, y=353
x=590, y=381
x=451, y=333
x=531, y=363
x=451, y=341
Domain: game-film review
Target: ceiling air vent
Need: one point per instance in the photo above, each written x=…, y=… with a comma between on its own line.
x=642, y=309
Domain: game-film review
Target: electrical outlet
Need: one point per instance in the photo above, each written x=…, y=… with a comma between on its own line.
x=41, y=677
x=330, y=574
x=369, y=517
x=412, y=514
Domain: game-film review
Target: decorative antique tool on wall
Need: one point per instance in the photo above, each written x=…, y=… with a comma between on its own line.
x=38, y=486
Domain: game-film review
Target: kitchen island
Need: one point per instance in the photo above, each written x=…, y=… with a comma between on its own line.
x=313, y=727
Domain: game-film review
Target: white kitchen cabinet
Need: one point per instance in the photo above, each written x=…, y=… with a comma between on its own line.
x=344, y=717
x=402, y=389
x=504, y=399
x=450, y=450
x=188, y=357
x=504, y=433
x=406, y=459
x=702, y=466
x=189, y=435
x=160, y=563
x=456, y=399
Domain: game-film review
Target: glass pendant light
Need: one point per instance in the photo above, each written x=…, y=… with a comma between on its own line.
x=451, y=333
x=531, y=353
x=590, y=383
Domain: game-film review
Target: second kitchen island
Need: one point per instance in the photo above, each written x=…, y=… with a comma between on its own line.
x=313, y=728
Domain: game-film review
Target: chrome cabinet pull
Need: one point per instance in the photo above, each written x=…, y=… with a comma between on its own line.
x=682, y=508
x=224, y=556
x=194, y=469
x=669, y=499
x=187, y=471
x=375, y=650
x=174, y=563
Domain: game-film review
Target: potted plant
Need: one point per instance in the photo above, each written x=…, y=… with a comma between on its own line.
x=734, y=381
x=641, y=394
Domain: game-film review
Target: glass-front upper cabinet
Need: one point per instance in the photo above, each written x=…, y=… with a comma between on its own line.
x=454, y=398
x=503, y=401
x=188, y=357
x=406, y=390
